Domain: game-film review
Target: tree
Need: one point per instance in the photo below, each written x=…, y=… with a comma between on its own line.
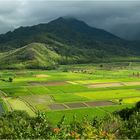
x=120, y=101
x=10, y=79
x=101, y=66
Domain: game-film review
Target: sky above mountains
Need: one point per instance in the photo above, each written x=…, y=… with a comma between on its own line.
x=112, y=15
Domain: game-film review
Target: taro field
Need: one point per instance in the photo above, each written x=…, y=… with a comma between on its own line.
x=92, y=90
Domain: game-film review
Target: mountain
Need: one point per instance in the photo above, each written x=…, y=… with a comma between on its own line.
x=70, y=31
x=62, y=41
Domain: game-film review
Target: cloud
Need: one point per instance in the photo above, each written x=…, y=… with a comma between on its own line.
x=102, y=13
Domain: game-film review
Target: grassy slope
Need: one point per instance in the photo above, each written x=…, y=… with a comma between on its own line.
x=35, y=55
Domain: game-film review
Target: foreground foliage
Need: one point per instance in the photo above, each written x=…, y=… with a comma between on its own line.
x=18, y=125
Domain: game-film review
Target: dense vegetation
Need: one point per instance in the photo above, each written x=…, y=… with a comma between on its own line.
x=17, y=124
x=69, y=41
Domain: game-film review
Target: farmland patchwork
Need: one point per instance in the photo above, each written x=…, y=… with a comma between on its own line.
x=68, y=93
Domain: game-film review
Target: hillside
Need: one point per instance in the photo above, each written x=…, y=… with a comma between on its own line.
x=44, y=56
x=62, y=41
x=34, y=55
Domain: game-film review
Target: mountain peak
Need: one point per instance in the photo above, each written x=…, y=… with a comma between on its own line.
x=71, y=29
x=67, y=20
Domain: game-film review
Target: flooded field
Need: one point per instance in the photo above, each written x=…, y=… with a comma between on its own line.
x=1, y=108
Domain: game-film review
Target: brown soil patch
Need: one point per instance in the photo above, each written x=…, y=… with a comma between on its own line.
x=132, y=83
x=35, y=83
x=41, y=75
x=104, y=85
x=75, y=105
x=57, y=106
x=56, y=83
x=21, y=73
x=38, y=99
x=47, y=83
x=80, y=105
x=100, y=103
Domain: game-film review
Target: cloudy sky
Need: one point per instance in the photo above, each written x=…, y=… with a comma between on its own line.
x=111, y=15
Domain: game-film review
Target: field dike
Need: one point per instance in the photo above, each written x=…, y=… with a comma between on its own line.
x=41, y=75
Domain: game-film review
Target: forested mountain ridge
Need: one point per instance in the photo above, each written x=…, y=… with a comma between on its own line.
x=71, y=40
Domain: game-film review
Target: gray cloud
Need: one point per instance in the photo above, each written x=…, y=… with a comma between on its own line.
x=106, y=14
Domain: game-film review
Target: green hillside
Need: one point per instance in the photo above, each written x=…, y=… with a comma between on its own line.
x=35, y=55
x=45, y=56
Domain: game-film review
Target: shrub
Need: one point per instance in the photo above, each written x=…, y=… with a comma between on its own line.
x=138, y=105
x=124, y=124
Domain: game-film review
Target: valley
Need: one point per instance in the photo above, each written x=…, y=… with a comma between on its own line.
x=69, y=70
x=72, y=90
